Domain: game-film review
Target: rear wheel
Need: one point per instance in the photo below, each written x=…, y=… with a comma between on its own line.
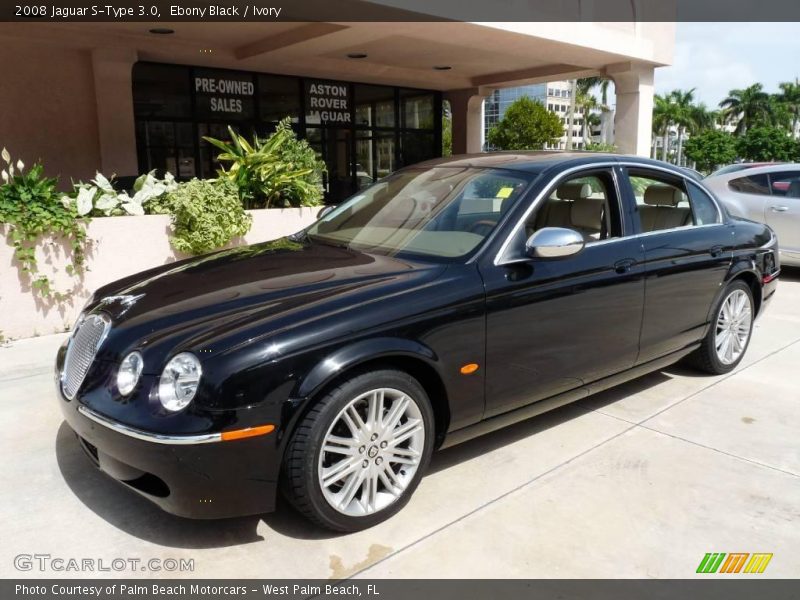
x=729, y=334
x=359, y=454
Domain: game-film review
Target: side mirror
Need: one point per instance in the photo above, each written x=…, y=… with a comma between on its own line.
x=554, y=242
x=325, y=210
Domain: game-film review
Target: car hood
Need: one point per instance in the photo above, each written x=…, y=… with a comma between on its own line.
x=208, y=303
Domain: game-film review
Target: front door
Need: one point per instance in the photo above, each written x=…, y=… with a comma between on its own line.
x=556, y=324
x=335, y=146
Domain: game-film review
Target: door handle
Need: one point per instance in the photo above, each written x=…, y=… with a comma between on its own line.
x=624, y=265
x=716, y=251
x=776, y=208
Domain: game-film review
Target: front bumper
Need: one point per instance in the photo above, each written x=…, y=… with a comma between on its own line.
x=200, y=479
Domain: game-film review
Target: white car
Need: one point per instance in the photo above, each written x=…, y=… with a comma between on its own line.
x=769, y=195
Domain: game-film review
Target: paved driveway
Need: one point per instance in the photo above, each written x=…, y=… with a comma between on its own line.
x=640, y=481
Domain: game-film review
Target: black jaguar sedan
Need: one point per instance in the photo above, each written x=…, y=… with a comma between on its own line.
x=447, y=300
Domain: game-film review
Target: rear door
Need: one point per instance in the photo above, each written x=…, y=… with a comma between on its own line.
x=783, y=211
x=687, y=250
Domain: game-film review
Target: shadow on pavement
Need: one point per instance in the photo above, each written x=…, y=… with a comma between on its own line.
x=128, y=511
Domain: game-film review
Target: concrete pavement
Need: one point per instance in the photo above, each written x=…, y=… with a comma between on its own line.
x=640, y=481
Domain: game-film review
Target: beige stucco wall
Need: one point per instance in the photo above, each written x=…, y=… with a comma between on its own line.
x=48, y=108
x=120, y=246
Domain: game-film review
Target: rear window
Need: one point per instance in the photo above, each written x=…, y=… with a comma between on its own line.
x=751, y=184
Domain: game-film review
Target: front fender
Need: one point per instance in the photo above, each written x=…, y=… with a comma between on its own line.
x=351, y=355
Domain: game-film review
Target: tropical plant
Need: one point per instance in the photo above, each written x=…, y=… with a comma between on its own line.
x=526, y=125
x=767, y=143
x=100, y=199
x=586, y=103
x=31, y=208
x=748, y=108
x=277, y=171
x=711, y=148
x=206, y=215
x=789, y=97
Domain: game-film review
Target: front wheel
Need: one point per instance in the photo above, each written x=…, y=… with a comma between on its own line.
x=729, y=334
x=360, y=452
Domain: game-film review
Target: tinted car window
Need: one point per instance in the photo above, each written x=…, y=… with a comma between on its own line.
x=751, y=184
x=704, y=210
x=785, y=183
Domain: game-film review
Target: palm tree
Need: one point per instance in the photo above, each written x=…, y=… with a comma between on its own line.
x=684, y=113
x=749, y=106
x=586, y=103
x=664, y=117
x=790, y=99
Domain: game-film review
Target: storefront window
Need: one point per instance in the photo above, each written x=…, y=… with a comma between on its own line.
x=362, y=132
x=161, y=91
x=278, y=98
x=374, y=106
x=416, y=147
x=417, y=109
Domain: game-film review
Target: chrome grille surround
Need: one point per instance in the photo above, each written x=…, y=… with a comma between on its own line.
x=89, y=334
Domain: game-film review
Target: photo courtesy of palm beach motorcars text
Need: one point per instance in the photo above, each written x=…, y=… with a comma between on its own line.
x=399, y=299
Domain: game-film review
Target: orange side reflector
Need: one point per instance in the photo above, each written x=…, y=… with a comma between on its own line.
x=469, y=368
x=238, y=434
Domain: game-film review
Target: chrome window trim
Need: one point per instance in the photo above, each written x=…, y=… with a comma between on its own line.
x=157, y=438
x=498, y=261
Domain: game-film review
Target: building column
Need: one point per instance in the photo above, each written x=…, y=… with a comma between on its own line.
x=466, y=107
x=633, y=120
x=113, y=72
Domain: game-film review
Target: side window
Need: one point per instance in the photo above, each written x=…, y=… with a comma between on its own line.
x=661, y=203
x=703, y=208
x=750, y=184
x=785, y=183
x=587, y=203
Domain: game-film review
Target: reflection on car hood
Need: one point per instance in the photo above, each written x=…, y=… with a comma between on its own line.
x=247, y=291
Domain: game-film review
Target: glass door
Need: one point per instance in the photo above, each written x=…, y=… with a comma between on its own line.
x=335, y=146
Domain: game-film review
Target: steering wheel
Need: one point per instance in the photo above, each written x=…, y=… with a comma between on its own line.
x=484, y=224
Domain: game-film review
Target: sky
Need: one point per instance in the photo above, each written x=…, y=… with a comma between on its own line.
x=718, y=57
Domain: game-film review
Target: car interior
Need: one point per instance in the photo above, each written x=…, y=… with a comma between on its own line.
x=663, y=207
x=580, y=204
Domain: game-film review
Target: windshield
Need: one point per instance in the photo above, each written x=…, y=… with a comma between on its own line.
x=442, y=212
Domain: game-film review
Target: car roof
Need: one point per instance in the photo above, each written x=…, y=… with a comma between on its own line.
x=769, y=168
x=537, y=160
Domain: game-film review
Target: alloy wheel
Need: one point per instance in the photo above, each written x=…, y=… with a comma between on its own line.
x=733, y=327
x=371, y=452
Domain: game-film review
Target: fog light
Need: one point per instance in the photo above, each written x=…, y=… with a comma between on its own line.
x=179, y=381
x=129, y=372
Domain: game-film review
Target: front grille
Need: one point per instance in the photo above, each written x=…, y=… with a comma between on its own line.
x=86, y=339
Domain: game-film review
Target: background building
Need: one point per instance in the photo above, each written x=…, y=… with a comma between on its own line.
x=124, y=97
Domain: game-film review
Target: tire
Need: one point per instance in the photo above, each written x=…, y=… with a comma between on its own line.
x=718, y=361
x=348, y=475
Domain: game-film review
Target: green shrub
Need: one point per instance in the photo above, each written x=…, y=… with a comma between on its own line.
x=601, y=147
x=31, y=208
x=206, y=215
x=526, y=125
x=280, y=171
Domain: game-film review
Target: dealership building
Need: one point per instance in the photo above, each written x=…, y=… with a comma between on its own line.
x=124, y=98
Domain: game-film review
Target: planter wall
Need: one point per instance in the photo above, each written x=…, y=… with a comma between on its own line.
x=120, y=246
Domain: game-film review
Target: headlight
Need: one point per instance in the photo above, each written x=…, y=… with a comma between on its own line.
x=129, y=371
x=179, y=381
